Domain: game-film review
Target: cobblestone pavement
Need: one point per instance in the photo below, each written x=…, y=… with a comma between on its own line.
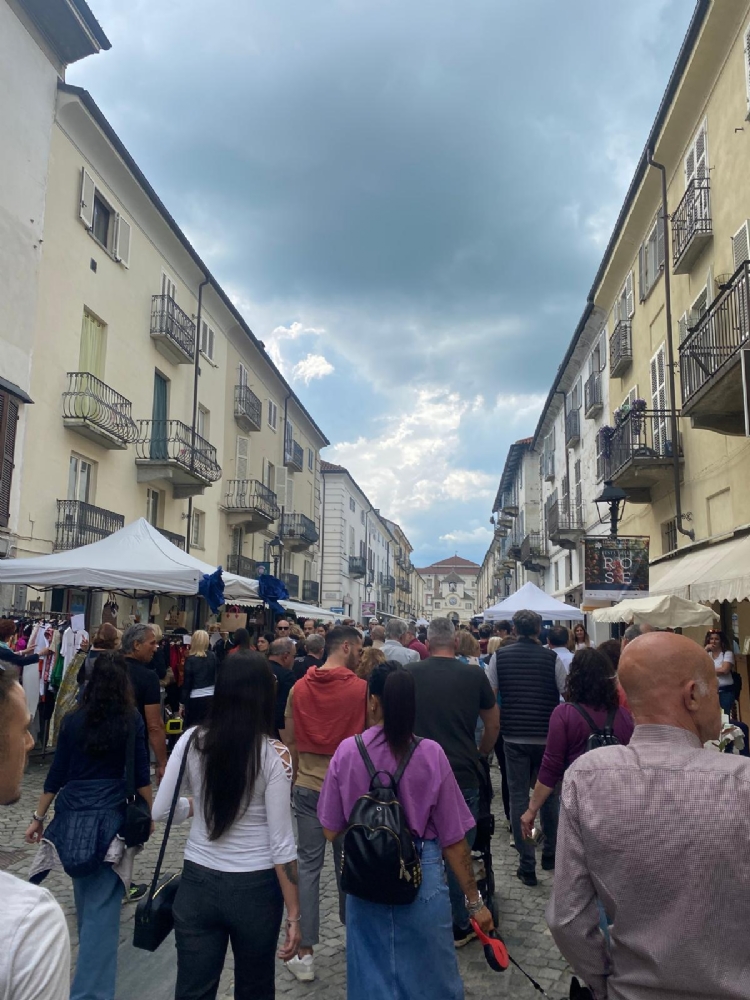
x=144, y=975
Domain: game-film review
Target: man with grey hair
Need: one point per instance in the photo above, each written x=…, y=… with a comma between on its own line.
x=377, y=634
x=396, y=642
x=529, y=694
x=451, y=694
x=281, y=657
x=315, y=646
x=630, y=633
x=138, y=648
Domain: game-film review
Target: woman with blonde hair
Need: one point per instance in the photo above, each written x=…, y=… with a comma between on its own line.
x=371, y=657
x=467, y=647
x=198, y=680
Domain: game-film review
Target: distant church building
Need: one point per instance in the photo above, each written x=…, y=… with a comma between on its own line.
x=450, y=589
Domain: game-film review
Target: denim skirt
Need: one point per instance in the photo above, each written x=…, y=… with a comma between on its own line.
x=404, y=952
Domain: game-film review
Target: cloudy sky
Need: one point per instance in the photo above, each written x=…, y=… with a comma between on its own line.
x=408, y=200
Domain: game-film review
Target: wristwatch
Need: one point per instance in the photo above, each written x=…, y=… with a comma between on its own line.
x=38, y=819
x=476, y=906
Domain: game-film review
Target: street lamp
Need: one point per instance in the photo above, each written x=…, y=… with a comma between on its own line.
x=275, y=547
x=611, y=506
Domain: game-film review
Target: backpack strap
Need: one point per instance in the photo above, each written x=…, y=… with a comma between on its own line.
x=582, y=711
x=415, y=741
x=610, y=720
x=365, y=756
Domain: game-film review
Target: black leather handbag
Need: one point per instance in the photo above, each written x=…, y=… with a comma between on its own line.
x=137, y=827
x=153, y=917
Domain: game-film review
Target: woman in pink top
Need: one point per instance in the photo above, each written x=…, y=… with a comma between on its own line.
x=404, y=951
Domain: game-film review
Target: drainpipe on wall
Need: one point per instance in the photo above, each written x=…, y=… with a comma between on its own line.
x=196, y=375
x=283, y=465
x=322, y=536
x=674, y=429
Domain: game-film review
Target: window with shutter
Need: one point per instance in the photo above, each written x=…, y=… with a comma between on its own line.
x=629, y=297
x=88, y=193
x=241, y=374
x=682, y=327
x=207, y=340
x=238, y=538
x=168, y=286
x=289, y=492
x=8, y=422
x=659, y=401
x=281, y=488
x=741, y=245
x=122, y=241
x=269, y=475
x=243, y=457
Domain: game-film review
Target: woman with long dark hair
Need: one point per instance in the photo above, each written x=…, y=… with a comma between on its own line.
x=591, y=685
x=404, y=951
x=88, y=777
x=240, y=857
x=717, y=647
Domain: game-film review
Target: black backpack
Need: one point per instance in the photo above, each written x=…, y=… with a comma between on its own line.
x=599, y=737
x=379, y=861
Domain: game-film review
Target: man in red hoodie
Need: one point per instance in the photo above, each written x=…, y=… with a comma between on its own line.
x=325, y=707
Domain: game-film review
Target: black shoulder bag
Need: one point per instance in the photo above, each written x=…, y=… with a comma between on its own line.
x=153, y=916
x=137, y=826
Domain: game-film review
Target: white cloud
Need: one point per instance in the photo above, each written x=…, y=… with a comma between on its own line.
x=313, y=366
x=282, y=334
x=477, y=536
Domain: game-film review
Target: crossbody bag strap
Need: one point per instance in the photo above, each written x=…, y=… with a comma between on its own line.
x=582, y=711
x=611, y=719
x=175, y=797
x=415, y=741
x=365, y=756
x=130, y=762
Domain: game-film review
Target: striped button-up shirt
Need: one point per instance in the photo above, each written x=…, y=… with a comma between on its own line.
x=659, y=831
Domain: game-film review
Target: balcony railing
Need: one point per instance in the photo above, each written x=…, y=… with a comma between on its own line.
x=592, y=395
x=572, y=428
x=300, y=528
x=252, y=496
x=80, y=523
x=173, y=537
x=718, y=335
x=691, y=224
x=173, y=327
x=387, y=583
x=310, y=591
x=532, y=549
x=357, y=566
x=98, y=412
x=248, y=409
x=242, y=566
x=620, y=349
x=564, y=517
x=291, y=582
x=172, y=442
x=641, y=438
x=294, y=457
x=404, y=585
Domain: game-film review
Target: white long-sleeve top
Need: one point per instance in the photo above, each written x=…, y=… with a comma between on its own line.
x=261, y=836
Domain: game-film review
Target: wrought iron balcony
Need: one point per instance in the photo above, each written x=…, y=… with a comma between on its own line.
x=169, y=449
x=173, y=537
x=692, y=227
x=592, y=395
x=357, y=566
x=298, y=532
x=533, y=556
x=249, y=502
x=97, y=412
x=565, y=523
x=620, y=349
x=80, y=523
x=572, y=428
x=404, y=585
x=387, y=583
x=640, y=453
x=242, y=566
x=310, y=591
x=172, y=330
x=710, y=373
x=291, y=582
x=248, y=409
x=294, y=457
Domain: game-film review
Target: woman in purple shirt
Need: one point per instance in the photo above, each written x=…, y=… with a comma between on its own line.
x=592, y=684
x=404, y=951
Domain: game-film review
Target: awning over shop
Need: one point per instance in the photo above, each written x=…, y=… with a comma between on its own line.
x=310, y=611
x=720, y=572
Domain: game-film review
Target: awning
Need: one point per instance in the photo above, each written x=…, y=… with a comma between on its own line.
x=720, y=572
x=311, y=611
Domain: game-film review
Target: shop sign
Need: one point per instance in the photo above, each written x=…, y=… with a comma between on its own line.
x=616, y=568
x=368, y=609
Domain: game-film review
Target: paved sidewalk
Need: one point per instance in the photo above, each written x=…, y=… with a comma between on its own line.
x=144, y=975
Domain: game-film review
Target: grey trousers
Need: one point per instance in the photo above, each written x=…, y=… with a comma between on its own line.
x=311, y=850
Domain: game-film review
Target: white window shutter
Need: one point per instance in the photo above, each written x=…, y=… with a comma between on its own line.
x=682, y=327
x=690, y=165
x=603, y=350
x=243, y=457
x=289, y=492
x=701, y=152
x=211, y=343
x=241, y=374
x=281, y=487
x=629, y=297
x=741, y=246
x=615, y=313
x=122, y=241
x=88, y=190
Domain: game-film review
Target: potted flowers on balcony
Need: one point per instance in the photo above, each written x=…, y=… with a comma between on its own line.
x=606, y=434
x=637, y=411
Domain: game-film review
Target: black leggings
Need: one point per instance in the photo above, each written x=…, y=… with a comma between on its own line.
x=213, y=908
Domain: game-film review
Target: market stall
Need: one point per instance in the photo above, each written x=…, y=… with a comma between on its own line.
x=659, y=611
x=531, y=598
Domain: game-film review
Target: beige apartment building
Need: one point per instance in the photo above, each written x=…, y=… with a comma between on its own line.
x=152, y=397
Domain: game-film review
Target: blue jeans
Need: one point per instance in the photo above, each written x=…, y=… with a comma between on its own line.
x=522, y=761
x=98, y=900
x=404, y=951
x=458, y=906
x=726, y=698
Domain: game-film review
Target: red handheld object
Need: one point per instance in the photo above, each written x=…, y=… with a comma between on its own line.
x=494, y=949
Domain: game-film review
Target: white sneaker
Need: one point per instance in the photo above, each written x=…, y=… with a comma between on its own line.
x=302, y=968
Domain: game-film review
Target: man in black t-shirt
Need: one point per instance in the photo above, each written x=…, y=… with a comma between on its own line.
x=451, y=695
x=138, y=648
x=315, y=656
x=281, y=658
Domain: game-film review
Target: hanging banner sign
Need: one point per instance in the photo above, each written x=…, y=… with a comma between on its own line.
x=616, y=568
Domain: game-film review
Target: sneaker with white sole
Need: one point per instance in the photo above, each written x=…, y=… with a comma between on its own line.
x=302, y=968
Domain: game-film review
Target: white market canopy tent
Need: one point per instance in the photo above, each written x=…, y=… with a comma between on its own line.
x=659, y=610
x=137, y=557
x=531, y=598
x=310, y=611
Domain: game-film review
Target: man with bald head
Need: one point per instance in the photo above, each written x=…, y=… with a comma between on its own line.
x=657, y=831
